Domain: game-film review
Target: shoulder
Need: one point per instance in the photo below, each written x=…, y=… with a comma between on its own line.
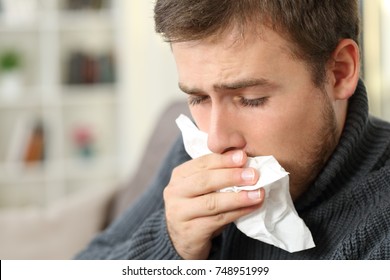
x=177, y=155
x=381, y=126
x=379, y=132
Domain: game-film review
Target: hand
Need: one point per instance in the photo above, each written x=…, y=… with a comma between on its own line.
x=196, y=212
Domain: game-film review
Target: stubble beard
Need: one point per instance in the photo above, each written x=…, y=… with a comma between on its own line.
x=325, y=139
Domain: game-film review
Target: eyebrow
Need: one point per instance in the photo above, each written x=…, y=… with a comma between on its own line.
x=235, y=85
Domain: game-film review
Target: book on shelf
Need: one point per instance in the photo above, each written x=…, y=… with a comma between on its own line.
x=35, y=149
x=86, y=4
x=84, y=68
x=27, y=142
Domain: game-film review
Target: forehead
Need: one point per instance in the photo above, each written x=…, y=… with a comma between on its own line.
x=232, y=52
x=240, y=39
x=234, y=34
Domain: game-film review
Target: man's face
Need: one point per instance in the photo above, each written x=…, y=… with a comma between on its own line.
x=251, y=94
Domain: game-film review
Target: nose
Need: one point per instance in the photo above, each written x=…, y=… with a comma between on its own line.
x=224, y=133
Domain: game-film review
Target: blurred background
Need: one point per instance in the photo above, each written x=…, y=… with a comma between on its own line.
x=82, y=85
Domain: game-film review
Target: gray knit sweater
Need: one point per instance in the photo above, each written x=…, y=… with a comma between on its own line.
x=347, y=208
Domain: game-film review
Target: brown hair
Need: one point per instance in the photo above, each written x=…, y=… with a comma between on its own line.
x=313, y=27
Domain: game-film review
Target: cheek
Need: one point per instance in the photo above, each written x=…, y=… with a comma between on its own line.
x=201, y=117
x=284, y=134
x=297, y=127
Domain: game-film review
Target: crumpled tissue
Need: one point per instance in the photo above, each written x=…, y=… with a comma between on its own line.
x=276, y=222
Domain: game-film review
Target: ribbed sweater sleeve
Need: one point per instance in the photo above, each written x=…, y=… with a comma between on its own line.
x=140, y=233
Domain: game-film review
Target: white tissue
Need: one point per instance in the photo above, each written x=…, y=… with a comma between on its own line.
x=277, y=221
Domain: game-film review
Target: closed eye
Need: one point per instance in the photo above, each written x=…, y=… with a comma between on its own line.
x=197, y=99
x=245, y=102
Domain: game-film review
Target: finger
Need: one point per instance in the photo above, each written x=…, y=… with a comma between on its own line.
x=212, y=224
x=209, y=181
x=230, y=159
x=216, y=203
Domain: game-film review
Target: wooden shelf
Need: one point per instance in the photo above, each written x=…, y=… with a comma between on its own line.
x=45, y=43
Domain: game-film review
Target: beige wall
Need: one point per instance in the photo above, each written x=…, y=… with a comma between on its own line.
x=149, y=78
x=376, y=34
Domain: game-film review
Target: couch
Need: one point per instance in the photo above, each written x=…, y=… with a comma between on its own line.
x=59, y=231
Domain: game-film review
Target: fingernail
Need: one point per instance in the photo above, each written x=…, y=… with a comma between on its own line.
x=237, y=156
x=254, y=195
x=248, y=174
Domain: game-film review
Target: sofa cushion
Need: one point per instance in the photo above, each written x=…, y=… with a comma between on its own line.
x=57, y=231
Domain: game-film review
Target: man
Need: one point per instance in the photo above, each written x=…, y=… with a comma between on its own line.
x=265, y=77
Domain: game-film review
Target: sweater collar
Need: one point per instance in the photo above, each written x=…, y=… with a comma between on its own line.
x=337, y=170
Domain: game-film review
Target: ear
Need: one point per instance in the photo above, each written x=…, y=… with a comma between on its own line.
x=344, y=69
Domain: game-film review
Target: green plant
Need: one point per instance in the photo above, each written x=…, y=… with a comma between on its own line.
x=10, y=60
